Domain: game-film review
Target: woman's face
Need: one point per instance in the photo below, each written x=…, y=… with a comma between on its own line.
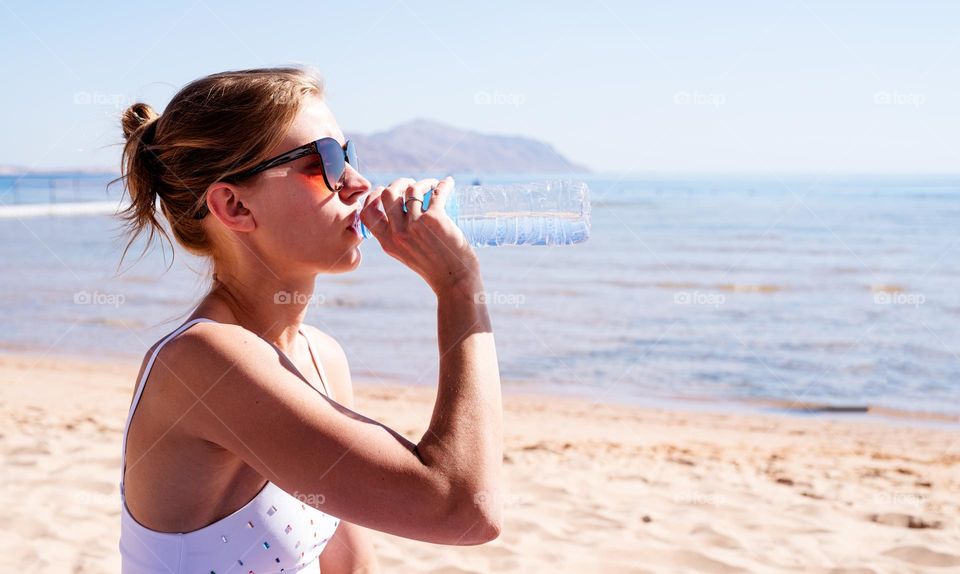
x=299, y=220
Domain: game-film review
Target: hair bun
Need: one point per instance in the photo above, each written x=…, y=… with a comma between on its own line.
x=136, y=117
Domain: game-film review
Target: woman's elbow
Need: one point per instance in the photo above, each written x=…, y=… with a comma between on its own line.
x=489, y=530
x=481, y=519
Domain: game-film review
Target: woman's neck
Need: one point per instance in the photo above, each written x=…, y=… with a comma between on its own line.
x=271, y=306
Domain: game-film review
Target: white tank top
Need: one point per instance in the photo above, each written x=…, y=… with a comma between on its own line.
x=274, y=532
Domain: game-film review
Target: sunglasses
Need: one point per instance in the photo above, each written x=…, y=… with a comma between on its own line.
x=333, y=163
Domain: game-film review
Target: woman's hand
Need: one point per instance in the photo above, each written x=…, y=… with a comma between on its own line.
x=428, y=242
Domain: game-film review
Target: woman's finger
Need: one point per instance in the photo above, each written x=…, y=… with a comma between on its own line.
x=413, y=201
x=393, y=202
x=373, y=216
x=438, y=200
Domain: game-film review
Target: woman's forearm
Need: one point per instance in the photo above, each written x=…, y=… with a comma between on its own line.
x=465, y=436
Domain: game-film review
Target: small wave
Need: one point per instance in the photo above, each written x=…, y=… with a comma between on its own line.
x=749, y=288
x=144, y=279
x=729, y=287
x=111, y=322
x=887, y=288
x=867, y=409
x=58, y=209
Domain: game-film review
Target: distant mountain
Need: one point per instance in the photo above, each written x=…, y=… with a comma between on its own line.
x=428, y=146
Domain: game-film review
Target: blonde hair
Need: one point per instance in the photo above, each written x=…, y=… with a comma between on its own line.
x=214, y=127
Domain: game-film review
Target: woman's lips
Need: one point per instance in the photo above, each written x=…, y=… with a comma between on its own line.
x=355, y=223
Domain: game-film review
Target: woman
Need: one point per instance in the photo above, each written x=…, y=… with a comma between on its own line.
x=241, y=451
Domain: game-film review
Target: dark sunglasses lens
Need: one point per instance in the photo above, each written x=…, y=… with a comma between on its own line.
x=331, y=154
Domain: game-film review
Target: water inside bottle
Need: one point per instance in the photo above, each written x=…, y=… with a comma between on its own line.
x=539, y=214
x=524, y=228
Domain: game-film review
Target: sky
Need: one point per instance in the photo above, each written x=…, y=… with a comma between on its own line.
x=681, y=86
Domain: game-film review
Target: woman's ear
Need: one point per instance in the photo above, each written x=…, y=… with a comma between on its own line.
x=224, y=202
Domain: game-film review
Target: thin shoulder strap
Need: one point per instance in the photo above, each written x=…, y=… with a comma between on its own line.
x=319, y=364
x=141, y=384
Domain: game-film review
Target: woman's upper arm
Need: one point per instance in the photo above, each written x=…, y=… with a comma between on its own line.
x=351, y=548
x=256, y=407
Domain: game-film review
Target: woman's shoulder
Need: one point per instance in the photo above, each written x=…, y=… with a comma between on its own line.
x=214, y=336
x=202, y=335
x=195, y=366
x=207, y=351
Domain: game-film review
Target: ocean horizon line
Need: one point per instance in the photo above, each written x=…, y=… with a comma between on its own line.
x=94, y=171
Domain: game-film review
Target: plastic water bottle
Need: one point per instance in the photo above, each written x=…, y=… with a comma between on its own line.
x=553, y=212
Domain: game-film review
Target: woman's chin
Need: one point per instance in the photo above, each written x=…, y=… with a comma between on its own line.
x=349, y=262
x=355, y=258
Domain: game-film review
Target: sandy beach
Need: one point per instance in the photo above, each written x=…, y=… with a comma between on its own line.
x=590, y=488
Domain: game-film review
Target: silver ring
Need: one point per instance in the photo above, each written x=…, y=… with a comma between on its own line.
x=412, y=199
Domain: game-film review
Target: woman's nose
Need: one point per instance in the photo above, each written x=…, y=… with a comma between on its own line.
x=354, y=185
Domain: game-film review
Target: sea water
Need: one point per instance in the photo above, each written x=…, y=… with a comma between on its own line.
x=838, y=290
